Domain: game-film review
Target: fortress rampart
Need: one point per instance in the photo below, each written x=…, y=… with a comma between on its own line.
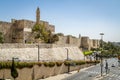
x=18, y=33
x=47, y=52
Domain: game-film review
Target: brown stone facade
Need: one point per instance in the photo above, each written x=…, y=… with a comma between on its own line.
x=5, y=28
x=19, y=31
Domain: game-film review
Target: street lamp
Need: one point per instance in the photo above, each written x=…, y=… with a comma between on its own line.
x=38, y=52
x=101, y=53
x=67, y=54
x=67, y=60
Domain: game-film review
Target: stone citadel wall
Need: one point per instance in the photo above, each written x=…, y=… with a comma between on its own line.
x=5, y=28
x=47, y=52
x=83, y=42
x=18, y=31
x=69, y=40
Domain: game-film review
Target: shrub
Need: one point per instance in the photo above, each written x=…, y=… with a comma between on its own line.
x=51, y=64
x=67, y=63
x=21, y=65
x=79, y=62
x=38, y=63
x=5, y=65
x=1, y=37
x=96, y=61
x=59, y=63
x=46, y=64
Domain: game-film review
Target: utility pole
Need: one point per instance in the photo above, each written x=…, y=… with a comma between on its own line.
x=101, y=53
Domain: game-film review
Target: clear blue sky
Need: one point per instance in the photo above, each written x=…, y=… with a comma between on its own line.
x=71, y=17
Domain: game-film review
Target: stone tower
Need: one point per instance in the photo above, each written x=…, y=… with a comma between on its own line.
x=38, y=15
x=79, y=35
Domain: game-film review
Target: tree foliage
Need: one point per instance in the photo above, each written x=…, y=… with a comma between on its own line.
x=45, y=35
x=110, y=49
x=14, y=72
x=1, y=37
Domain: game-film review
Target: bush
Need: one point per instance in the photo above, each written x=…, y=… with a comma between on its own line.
x=59, y=63
x=21, y=65
x=96, y=61
x=46, y=64
x=1, y=37
x=5, y=65
x=80, y=62
x=67, y=63
x=38, y=63
x=49, y=64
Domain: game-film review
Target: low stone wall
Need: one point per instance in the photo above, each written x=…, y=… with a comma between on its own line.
x=39, y=72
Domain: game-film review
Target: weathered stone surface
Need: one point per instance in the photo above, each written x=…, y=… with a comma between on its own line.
x=46, y=52
x=39, y=72
x=20, y=31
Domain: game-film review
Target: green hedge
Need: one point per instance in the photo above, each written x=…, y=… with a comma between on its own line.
x=80, y=62
x=5, y=65
x=90, y=62
x=20, y=65
x=59, y=63
x=49, y=64
x=67, y=63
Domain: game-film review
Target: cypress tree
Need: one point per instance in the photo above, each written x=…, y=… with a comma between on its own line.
x=14, y=72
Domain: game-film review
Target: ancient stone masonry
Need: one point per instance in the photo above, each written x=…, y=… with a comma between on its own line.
x=29, y=52
x=5, y=28
x=87, y=44
x=19, y=31
x=38, y=15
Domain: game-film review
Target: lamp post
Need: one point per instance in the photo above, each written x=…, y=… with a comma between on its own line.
x=38, y=53
x=101, y=53
x=67, y=60
x=67, y=54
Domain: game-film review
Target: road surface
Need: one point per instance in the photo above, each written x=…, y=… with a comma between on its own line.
x=94, y=72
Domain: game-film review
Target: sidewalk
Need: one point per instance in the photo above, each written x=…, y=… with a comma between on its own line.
x=99, y=77
x=62, y=76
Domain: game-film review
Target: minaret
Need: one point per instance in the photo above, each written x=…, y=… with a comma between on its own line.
x=37, y=15
x=79, y=35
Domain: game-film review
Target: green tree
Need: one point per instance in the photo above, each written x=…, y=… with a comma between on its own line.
x=45, y=35
x=1, y=37
x=14, y=72
x=110, y=49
